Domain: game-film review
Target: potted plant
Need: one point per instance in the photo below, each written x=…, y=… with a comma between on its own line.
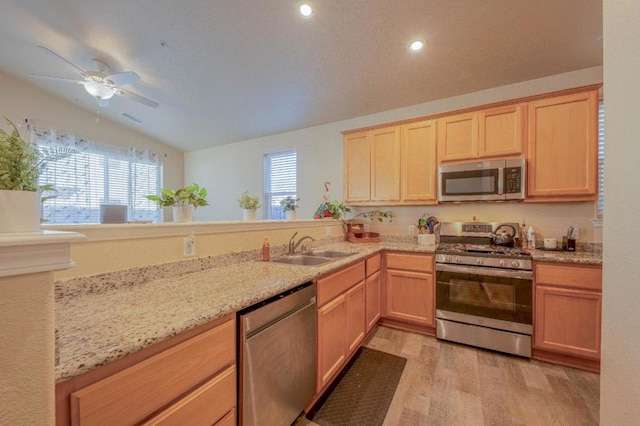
x=21, y=163
x=289, y=204
x=249, y=204
x=183, y=201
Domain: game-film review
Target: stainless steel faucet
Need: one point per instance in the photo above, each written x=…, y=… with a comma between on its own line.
x=293, y=245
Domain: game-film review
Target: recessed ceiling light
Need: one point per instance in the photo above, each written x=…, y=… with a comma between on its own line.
x=416, y=46
x=305, y=10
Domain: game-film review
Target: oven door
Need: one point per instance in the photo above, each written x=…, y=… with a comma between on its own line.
x=488, y=293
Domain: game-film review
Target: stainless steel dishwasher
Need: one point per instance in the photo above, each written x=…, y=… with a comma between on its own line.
x=278, y=352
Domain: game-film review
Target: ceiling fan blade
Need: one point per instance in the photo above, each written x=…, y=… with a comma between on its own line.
x=137, y=98
x=53, y=77
x=69, y=64
x=103, y=103
x=120, y=78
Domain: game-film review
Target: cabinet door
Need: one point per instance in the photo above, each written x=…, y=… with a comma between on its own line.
x=419, y=161
x=502, y=131
x=410, y=297
x=332, y=339
x=373, y=295
x=357, y=167
x=563, y=147
x=356, y=325
x=568, y=321
x=385, y=164
x=458, y=137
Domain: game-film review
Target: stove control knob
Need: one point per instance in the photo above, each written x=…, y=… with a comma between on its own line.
x=458, y=259
x=480, y=261
x=502, y=262
x=515, y=263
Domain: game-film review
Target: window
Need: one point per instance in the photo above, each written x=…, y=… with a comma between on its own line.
x=280, y=171
x=98, y=174
x=600, y=207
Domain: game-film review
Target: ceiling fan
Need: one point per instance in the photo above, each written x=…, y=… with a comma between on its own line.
x=100, y=83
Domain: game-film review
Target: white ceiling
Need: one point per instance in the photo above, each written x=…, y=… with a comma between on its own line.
x=237, y=69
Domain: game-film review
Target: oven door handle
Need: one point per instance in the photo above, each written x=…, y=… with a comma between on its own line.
x=491, y=272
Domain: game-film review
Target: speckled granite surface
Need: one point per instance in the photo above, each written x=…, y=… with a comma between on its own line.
x=104, y=317
x=585, y=254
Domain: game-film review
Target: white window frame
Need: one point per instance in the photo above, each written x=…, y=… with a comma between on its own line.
x=287, y=186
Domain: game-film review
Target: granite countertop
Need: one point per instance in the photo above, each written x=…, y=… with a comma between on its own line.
x=105, y=317
x=586, y=254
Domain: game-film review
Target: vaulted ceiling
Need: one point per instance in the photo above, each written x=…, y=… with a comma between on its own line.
x=229, y=70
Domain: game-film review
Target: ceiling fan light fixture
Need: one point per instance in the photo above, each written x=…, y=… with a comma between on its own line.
x=98, y=90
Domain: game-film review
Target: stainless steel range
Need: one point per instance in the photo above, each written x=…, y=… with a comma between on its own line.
x=484, y=293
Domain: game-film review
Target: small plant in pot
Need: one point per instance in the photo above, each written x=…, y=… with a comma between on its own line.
x=289, y=205
x=183, y=200
x=249, y=204
x=21, y=163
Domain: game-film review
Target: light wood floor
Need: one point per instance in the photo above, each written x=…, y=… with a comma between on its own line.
x=448, y=384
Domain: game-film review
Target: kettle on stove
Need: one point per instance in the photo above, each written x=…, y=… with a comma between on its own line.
x=504, y=235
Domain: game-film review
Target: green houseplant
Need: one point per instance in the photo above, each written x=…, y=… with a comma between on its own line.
x=183, y=200
x=21, y=163
x=289, y=205
x=249, y=204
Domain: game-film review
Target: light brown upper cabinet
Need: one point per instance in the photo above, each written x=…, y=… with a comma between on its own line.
x=563, y=148
x=385, y=164
x=357, y=167
x=418, y=152
x=502, y=131
x=495, y=132
x=391, y=165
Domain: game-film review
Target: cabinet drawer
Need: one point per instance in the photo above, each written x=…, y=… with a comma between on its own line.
x=410, y=262
x=204, y=406
x=589, y=277
x=336, y=284
x=228, y=420
x=134, y=393
x=373, y=265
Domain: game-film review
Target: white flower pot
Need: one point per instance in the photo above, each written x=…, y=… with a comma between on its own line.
x=248, y=214
x=20, y=211
x=290, y=214
x=182, y=214
x=427, y=239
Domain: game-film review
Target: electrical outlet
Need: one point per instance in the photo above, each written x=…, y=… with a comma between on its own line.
x=412, y=229
x=327, y=231
x=365, y=228
x=189, y=246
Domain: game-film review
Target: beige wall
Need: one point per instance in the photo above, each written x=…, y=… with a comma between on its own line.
x=620, y=375
x=20, y=100
x=229, y=170
x=99, y=255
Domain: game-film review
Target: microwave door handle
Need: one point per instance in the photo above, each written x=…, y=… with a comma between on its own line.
x=501, y=180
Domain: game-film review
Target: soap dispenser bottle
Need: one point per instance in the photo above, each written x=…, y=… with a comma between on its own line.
x=531, y=237
x=265, y=250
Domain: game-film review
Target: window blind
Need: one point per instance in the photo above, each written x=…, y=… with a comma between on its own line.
x=98, y=174
x=280, y=181
x=600, y=206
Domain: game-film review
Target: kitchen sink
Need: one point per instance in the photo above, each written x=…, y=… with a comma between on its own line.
x=312, y=258
x=302, y=259
x=329, y=253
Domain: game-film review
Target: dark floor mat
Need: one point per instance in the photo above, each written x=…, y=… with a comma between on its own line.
x=364, y=392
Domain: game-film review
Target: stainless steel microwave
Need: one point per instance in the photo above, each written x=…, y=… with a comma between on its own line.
x=482, y=180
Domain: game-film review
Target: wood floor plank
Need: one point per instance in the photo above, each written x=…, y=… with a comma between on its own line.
x=448, y=384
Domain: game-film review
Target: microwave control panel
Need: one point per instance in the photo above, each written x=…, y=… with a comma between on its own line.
x=513, y=180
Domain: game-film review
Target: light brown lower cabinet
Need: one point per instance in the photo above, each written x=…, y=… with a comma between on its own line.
x=409, y=288
x=568, y=311
x=193, y=382
x=374, y=299
x=341, y=319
